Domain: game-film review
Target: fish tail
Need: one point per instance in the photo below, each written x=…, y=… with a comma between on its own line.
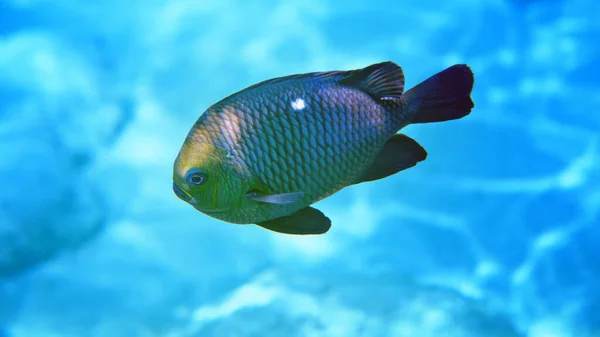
x=442, y=97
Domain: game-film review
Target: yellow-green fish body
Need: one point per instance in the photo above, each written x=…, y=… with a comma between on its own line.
x=265, y=154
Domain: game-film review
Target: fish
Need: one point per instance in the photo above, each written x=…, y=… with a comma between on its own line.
x=265, y=154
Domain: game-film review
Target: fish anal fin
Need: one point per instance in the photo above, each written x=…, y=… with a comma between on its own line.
x=307, y=221
x=399, y=153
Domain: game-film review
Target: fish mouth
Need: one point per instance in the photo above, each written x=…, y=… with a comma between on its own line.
x=181, y=194
x=187, y=198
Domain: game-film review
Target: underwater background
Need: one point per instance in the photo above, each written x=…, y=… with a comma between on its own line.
x=496, y=234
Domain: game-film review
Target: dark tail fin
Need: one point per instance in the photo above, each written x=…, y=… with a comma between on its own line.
x=442, y=97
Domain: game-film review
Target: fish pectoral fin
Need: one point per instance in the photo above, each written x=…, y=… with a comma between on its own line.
x=382, y=80
x=307, y=221
x=399, y=153
x=278, y=199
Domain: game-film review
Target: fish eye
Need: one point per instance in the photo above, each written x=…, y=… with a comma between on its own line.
x=195, y=177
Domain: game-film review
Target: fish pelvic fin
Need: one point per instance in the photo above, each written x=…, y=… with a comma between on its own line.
x=307, y=221
x=442, y=97
x=382, y=81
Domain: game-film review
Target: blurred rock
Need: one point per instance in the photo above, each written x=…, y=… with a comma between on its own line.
x=51, y=127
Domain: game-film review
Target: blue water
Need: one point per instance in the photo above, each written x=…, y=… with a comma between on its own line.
x=495, y=234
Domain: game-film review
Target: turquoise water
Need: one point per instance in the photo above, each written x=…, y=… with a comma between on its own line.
x=495, y=234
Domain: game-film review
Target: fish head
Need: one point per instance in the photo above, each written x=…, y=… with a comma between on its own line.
x=204, y=177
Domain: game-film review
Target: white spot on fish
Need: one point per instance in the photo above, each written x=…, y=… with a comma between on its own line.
x=298, y=104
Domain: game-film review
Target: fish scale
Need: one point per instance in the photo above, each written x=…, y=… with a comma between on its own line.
x=279, y=168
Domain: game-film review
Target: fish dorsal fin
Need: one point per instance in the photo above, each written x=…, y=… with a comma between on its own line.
x=313, y=75
x=381, y=80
